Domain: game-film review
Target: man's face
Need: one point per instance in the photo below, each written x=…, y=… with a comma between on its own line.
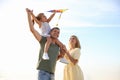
x=55, y=33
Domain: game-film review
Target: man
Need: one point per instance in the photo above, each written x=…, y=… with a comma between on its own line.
x=46, y=67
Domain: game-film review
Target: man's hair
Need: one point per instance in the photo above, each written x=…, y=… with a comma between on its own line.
x=54, y=28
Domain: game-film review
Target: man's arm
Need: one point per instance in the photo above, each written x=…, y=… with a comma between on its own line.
x=61, y=54
x=32, y=29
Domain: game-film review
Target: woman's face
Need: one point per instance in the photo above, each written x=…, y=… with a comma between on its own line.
x=72, y=40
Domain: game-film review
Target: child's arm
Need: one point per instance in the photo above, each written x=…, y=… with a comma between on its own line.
x=60, y=44
x=34, y=18
x=50, y=18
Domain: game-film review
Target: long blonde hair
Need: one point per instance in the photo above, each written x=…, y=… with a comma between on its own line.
x=77, y=45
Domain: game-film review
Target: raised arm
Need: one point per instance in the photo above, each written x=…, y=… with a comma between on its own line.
x=36, y=20
x=50, y=18
x=32, y=29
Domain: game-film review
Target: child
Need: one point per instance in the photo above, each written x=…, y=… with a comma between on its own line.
x=44, y=26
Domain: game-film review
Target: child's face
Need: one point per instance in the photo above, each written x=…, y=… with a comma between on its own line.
x=43, y=18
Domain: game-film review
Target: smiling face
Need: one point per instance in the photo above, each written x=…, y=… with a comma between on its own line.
x=55, y=32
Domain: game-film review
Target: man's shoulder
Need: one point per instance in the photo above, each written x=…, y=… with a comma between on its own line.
x=43, y=39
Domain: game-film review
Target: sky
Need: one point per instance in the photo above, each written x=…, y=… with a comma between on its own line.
x=95, y=22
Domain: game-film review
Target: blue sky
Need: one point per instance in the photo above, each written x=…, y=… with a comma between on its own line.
x=100, y=51
x=100, y=42
x=95, y=22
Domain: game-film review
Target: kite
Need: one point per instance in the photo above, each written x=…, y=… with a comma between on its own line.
x=58, y=11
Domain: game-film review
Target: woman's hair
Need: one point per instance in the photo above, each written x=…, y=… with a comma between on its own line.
x=38, y=17
x=77, y=45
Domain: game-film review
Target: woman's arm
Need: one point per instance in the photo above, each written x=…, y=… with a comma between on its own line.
x=74, y=61
x=68, y=56
x=34, y=32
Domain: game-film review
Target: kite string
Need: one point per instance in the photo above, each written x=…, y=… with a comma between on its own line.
x=58, y=19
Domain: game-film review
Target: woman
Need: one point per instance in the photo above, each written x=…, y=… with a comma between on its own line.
x=72, y=71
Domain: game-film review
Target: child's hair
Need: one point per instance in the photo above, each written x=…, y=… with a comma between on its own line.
x=38, y=17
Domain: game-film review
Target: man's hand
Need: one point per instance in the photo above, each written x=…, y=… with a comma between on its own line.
x=28, y=10
x=62, y=52
x=64, y=49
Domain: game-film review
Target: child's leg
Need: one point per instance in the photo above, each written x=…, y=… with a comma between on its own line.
x=59, y=43
x=62, y=47
x=47, y=44
x=62, y=59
